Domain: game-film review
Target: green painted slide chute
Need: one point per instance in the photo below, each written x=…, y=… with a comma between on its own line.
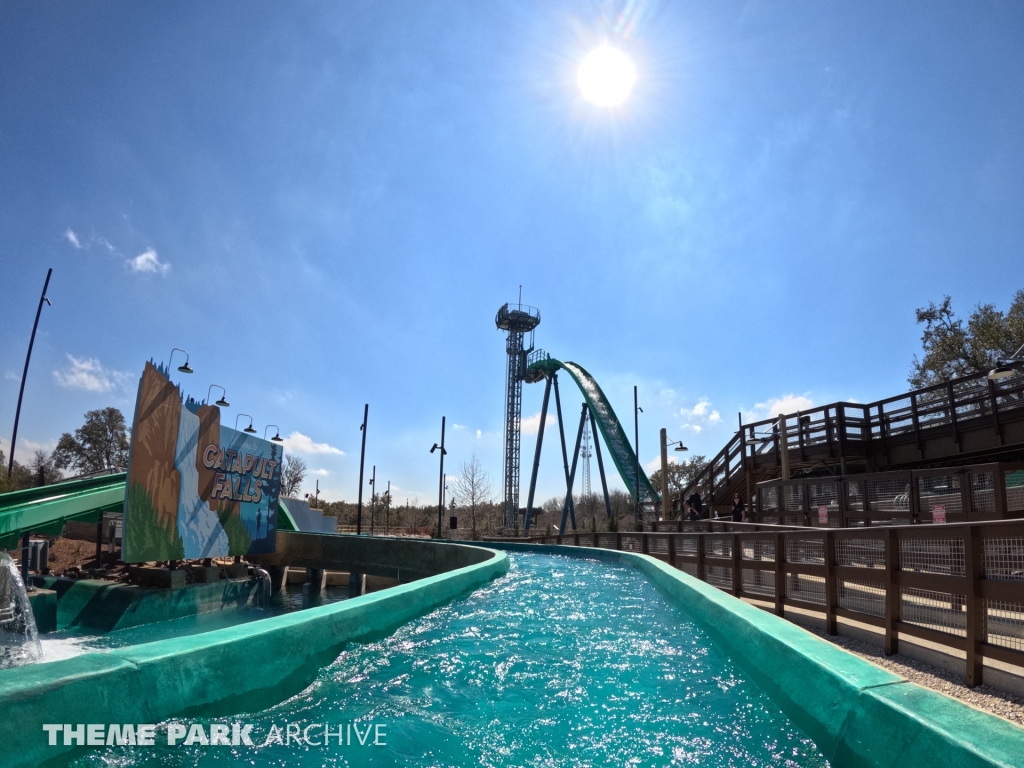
x=615, y=437
x=46, y=509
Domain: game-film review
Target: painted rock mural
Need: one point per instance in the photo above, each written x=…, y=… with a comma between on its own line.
x=195, y=488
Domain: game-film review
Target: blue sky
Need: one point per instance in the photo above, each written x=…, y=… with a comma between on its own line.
x=325, y=203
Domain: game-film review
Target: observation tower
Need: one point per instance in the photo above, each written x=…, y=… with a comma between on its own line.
x=517, y=320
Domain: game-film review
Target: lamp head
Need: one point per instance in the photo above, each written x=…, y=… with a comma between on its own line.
x=433, y=447
x=681, y=447
x=277, y=438
x=250, y=429
x=222, y=403
x=185, y=368
x=1003, y=370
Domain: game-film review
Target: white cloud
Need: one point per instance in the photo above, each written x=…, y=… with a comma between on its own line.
x=320, y=472
x=72, y=238
x=700, y=416
x=655, y=464
x=458, y=426
x=531, y=424
x=90, y=375
x=787, y=404
x=479, y=434
x=149, y=262
x=300, y=443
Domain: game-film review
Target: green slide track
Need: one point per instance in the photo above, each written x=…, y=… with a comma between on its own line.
x=46, y=509
x=615, y=437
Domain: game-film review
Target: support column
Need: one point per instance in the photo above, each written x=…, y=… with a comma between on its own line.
x=570, y=506
x=536, y=453
x=600, y=465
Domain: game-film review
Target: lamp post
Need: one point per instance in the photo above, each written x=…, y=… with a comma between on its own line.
x=665, y=443
x=362, y=459
x=250, y=430
x=373, y=496
x=637, y=410
x=277, y=433
x=24, y=373
x=440, y=479
x=223, y=402
x=1003, y=369
x=184, y=367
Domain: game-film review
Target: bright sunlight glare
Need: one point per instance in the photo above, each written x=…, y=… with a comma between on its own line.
x=606, y=76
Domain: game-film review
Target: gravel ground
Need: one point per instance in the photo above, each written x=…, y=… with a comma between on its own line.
x=1005, y=705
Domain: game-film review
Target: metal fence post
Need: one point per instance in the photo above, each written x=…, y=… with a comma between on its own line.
x=830, y=584
x=737, y=581
x=672, y=550
x=973, y=565
x=700, y=557
x=780, y=576
x=892, y=593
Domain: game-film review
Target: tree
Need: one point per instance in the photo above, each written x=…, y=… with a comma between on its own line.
x=472, y=488
x=42, y=466
x=100, y=444
x=680, y=476
x=953, y=349
x=293, y=472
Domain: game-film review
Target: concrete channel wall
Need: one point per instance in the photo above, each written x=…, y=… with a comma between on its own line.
x=225, y=671
x=858, y=714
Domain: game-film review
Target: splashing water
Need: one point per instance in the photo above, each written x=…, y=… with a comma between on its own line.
x=19, y=641
x=561, y=662
x=263, y=594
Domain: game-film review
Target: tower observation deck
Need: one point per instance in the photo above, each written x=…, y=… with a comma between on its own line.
x=517, y=320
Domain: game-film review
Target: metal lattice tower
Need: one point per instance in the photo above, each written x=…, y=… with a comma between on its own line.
x=517, y=320
x=585, y=458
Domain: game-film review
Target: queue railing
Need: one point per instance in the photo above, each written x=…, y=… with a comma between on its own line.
x=957, y=586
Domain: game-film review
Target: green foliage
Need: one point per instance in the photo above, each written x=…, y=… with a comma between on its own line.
x=145, y=539
x=293, y=472
x=953, y=349
x=239, y=539
x=680, y=475
x=100, y=444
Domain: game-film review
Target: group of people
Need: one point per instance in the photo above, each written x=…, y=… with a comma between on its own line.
x=693, y=508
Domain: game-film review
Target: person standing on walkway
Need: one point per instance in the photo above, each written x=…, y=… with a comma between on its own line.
x=739, y=509
x=696, y=505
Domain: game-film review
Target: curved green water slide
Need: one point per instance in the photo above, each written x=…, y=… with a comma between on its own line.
x=45, y=510
x=615, y=437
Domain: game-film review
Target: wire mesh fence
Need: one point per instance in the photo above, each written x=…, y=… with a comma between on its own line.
x=807, y=589
x=938, y=611
x=1004, y=624
x=719, y=575
x=944, y=556
x=862, y=597
x=860, y=553
x=761, y=583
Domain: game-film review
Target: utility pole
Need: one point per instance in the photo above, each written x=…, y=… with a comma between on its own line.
x=664, y=475
x=636, y=448
x=373, y=497
x=362, y=459
x=440, y=480
x=24, y=373
x=387, y=512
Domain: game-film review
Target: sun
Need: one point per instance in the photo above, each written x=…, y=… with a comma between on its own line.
x=606, y=76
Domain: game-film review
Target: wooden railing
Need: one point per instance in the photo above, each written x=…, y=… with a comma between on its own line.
x=958, y=586
x=854, y=430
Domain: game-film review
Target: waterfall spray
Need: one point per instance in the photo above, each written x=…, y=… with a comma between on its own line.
x=19, y=641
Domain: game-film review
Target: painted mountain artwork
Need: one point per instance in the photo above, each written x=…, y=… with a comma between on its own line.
x=196, y=489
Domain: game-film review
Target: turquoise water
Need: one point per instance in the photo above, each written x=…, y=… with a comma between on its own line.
x=561, y=662
x=68, y=643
